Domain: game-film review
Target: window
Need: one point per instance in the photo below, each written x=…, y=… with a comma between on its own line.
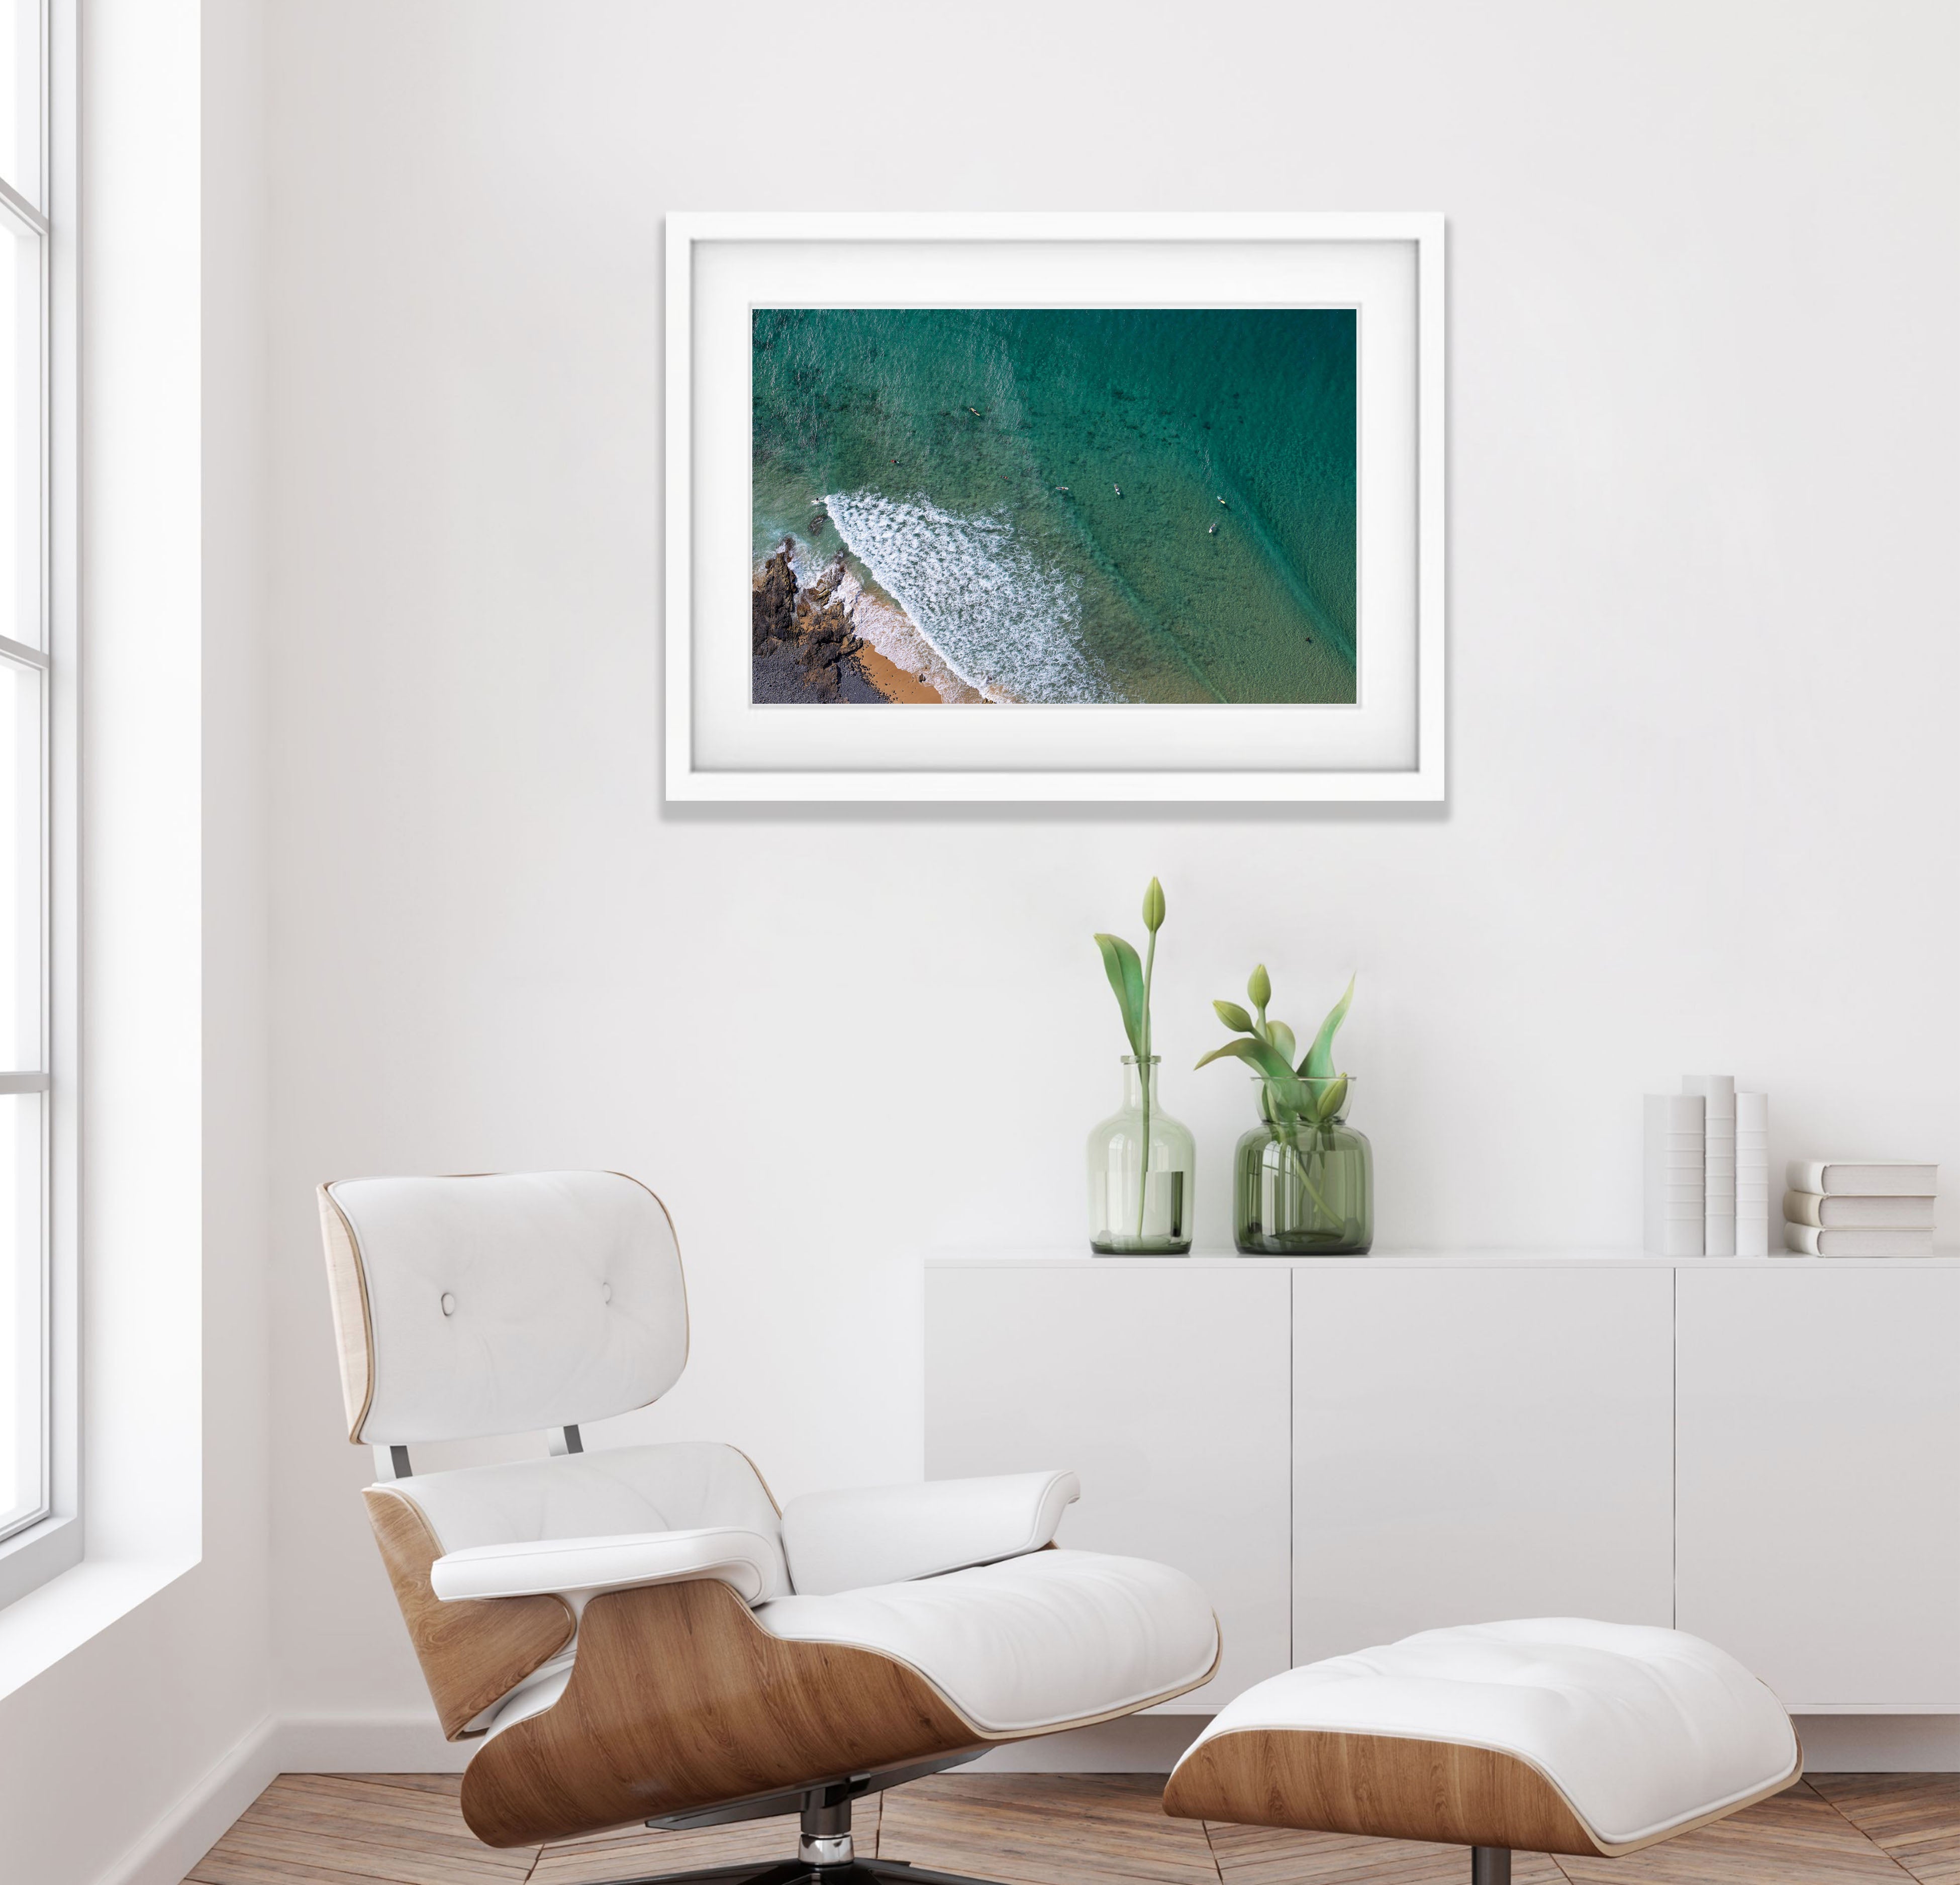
x=28, y=1371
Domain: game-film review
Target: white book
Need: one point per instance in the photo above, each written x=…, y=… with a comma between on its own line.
x=1752, y=1174
x=1809, y=1239
x=1717, y=1094
x=1675, y=1206
x=1869, y=1177
x=1842, y=1211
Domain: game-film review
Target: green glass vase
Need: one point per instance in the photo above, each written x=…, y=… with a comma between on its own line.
x=1301, y=1189
x=1139, y=1205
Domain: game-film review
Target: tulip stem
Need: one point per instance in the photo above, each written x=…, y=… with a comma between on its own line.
x=1143, y=1071
x=1290, y=1141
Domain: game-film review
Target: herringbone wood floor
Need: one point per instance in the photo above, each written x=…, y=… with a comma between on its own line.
x=1074, y=1829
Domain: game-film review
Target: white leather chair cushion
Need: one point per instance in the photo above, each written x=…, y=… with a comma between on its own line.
x=624, y=1492
x=1038, y=1642
x=546, y=1566
x=885, y=1534
x=513, y=1302
x=1642, y=1730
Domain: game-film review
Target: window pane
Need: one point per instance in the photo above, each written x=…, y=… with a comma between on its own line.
x=20, y=456
x=20, y=873
x=21, y=97
x=23, y=1344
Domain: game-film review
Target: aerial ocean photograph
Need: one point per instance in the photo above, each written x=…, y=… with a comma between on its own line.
x=1043, y=506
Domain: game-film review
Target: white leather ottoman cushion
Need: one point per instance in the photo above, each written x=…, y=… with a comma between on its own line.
x=1644, y=1730
x=1033, y=1643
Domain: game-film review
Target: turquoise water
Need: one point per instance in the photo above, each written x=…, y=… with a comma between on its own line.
x=1038, y=594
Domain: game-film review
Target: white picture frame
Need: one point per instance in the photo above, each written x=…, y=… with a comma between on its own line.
x=1388, y=745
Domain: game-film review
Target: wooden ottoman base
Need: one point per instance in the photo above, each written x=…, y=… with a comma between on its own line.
x=1553, y=1736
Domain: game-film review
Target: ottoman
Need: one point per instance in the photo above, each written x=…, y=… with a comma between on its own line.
x=1549, y=1735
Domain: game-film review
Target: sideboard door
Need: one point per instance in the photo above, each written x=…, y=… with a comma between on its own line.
x=1820, y=1478
x=1164, y=1385
x=1479, y=1442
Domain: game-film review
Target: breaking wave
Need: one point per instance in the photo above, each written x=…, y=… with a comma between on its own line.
x=1006, y=626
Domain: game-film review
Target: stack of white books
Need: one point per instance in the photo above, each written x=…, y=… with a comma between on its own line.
x=1676, y=1192
x=1708, y=1170
x=1873, y=1207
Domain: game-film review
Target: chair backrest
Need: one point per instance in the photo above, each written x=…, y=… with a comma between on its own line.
x=500, y=1304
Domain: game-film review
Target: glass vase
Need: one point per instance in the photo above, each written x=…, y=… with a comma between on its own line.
x=1140, y=1165
x=1300, y=1188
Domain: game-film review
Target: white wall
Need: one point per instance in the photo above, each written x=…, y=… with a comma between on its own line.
x=1703, y=669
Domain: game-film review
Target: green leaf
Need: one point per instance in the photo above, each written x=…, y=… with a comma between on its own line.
x=1260, y=987
x=1319, y=1064
x=1245, y=1050
x=1154, y=907
x=1281, y=1037
x=1124, y=969
x=1327, y=1096
x=1255, y=1054
x=1233, y=1016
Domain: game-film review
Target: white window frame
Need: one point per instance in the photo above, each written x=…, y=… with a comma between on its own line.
x=39, y=1549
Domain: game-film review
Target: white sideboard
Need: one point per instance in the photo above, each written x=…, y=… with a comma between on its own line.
x=1342, y=1451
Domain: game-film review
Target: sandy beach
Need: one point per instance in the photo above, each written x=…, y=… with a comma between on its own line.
x=820, y=636
x=894, y=683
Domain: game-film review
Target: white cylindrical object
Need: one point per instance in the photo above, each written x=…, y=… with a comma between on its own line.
x=1717, y=1094
x=1752, y=1174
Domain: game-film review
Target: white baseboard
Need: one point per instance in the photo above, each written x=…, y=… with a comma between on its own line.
x=1880, y=1743
x=406, y=1743
x=413, y=1744
x=1138, y=1744
x=1151, y=1743
x=199, y=1819
x=410, y=1743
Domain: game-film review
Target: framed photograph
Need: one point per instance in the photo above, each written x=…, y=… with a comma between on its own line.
x=1055, y=507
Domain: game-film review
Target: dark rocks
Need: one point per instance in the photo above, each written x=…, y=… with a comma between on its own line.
x=772, y=605
x=802, y=644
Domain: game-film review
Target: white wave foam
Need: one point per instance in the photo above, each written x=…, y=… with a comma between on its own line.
x=897, y=637
x=1005, y=625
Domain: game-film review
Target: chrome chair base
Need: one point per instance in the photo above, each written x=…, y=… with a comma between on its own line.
x=852, y=1872
x=825, y=1854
